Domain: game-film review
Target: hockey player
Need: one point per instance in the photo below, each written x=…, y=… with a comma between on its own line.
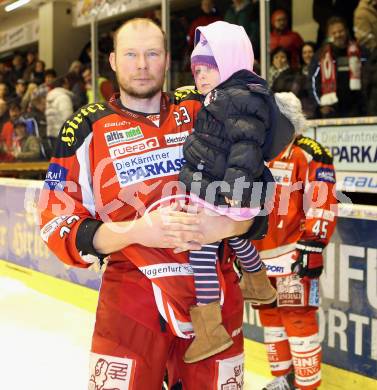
x=305, y=204
x=113, y=166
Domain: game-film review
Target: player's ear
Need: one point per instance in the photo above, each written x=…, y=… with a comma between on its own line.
x=112, y=61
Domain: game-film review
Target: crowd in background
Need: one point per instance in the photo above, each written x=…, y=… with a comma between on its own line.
x=333, y=77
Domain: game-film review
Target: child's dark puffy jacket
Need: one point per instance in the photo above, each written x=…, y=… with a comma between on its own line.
x=238, y=128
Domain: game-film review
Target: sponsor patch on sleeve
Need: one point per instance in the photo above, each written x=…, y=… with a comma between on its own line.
x=56, y=177
x=325, y=174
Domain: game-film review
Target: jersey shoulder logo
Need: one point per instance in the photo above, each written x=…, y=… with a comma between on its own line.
x=186, y=93
x=315, y=149
x=78, y=127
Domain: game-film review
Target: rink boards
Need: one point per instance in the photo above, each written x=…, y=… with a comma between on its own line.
x=348, y=314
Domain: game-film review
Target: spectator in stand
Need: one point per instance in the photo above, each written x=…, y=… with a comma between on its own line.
x=25, y=147
x=59, y=107
x=365, y=24
x=18, y=68
x=286, y=79
x=335, y=74
x=307, y=54
x=105, y=88
x=86, y=54
x=78, y=90
x=76, y=67
x=245, y=13
x=323, y=10
x=8, y=127
x=38, y=73
x=37, y=114
x=49, y=78
x=282, y=36
x=31, y=59
x=3, y=91
x=26, y=98
x=305, y=95
x=19, y=91
x=4, y=115
x=207, y=15
x=4, y=74
x=280, y=61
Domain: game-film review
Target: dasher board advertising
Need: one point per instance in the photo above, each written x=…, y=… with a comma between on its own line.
x=354, y=148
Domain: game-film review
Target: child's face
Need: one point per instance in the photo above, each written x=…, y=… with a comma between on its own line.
x=206, y=78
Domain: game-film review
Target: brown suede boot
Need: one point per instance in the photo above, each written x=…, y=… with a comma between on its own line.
x=256, y=288
x=210, y=335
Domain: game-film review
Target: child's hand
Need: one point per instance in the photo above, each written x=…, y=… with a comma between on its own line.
x=231, y=202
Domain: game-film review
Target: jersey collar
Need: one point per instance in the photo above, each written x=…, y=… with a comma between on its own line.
x=164, y=109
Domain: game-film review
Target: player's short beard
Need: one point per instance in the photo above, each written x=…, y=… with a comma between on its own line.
x=153, y=91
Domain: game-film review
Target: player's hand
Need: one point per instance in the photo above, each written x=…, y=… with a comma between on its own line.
x=215, y=227
x=309, y=259
x=233, y=203
x=167, y=227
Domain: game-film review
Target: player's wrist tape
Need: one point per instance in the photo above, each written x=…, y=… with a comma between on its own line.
x=310, y=246
x=85, y=235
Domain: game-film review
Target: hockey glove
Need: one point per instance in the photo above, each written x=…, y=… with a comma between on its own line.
x=309, y=259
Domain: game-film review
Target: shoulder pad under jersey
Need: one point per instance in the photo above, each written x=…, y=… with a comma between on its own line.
x=77, y=127
x=186, y=93
x=315, y=149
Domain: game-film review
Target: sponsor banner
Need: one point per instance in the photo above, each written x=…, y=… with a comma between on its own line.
x=354, y=147
x=150, y=165
x=20, y=237
x=166, y=269
x=356, y=182
x=135, y=147
x=22, y=35
x=357, y=211
x=85, y=10
x=348, y=298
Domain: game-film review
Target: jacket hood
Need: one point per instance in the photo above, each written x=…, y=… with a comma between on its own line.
x=244, y=77
x=230, y=46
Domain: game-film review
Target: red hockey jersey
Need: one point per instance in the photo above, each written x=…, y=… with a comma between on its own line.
x=305, y=205
x=111, y=164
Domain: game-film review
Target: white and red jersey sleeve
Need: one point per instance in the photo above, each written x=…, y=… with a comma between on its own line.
x=319, y=191
x=67, y=199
